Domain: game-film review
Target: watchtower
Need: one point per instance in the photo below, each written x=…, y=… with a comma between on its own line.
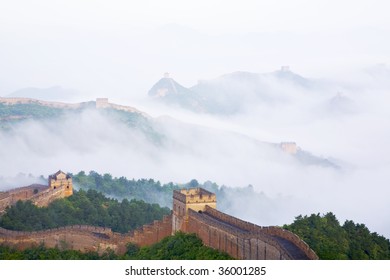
x=285, y=68
x=102, y=103
x=289, y=147
x=184, y=199
x=61, y=180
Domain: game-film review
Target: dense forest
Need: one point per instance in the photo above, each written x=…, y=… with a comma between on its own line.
x=83, y=207
x=32, y=110
x=152, y=191
x=324, y=233
x=11, y=114
x=332, y=241
x=143, y=189
x=178, y=247
x=181, y=246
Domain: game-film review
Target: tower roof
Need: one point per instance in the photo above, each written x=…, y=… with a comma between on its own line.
x=59, y=172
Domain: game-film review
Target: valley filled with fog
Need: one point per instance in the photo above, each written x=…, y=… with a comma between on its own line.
x=238, y=87
x=343, y=127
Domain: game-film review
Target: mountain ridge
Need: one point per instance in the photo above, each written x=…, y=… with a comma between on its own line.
x=229, y=93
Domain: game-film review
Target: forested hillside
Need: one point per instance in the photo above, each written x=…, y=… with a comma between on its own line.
x=147, y=190
x=178, y=247
x=333, y=241
x=152, y=191
x=324, y=233
x=86, y=208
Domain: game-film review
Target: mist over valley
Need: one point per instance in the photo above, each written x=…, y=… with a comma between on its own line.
x=282, y=108
x=325, y=169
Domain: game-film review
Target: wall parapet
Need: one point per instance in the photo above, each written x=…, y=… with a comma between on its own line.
x=241, y=236
x=197, y=195
x=79, y=228
x=275, y=236
x=233, y=220
x=238, y=238
x=292, y=237
x=53, y=104
x=86, y=238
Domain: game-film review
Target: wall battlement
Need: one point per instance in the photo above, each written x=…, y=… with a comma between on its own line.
x=196, y=195
x=101, y=103
x=53, y=104
x=59, y=186
x=194, y=211
x=289, y=147
x=88, y=238
x=276, y=237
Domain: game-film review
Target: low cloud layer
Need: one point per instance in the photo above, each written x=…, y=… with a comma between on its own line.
x=228, y=151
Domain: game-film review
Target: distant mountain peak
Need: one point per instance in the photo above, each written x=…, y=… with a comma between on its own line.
x=167, y=86
x=285, y=74
x=229, y=93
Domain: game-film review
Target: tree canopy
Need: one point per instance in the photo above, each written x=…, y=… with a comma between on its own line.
x=83, y=207
x=332, y=241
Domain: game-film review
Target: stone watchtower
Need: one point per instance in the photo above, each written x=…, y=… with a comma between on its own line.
x=102, y=103
x=289, y=147
x=184, y=199
x=61, y=180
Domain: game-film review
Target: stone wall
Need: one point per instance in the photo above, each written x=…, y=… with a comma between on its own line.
x=289, y=147
x=234, y=221
x=244, y=240
x=237, y=243
x=238, y=238
x=88, y=238
x=152, y=233
x=40, y=195
x=20, y=100
x=288, y=235
x=272, y=231
x=83, y=238
x=43, y=199
x=101, y=103
x=24, y=193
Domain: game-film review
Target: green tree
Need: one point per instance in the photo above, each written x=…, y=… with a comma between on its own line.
x=84, y=207
x=330, y=240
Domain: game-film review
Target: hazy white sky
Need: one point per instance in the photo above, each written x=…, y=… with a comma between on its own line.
x=121, y=48
x=217, y=15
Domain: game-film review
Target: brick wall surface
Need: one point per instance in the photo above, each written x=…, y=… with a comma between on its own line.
x=238, y=238
x=243, y=240
x=88, y=238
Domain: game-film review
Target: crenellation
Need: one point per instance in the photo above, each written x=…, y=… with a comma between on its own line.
x=238, y=238
x=59, y=186
x=53, y=104
x=289, y=147
x=194, y=211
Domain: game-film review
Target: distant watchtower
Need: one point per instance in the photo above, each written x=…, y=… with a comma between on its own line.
x=61, y=180
x=101, y=103
x=289, y=147
x=285, y=68
x=184, y=199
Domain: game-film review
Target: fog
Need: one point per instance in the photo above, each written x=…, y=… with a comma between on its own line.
x=229, y=150
x=120, y=50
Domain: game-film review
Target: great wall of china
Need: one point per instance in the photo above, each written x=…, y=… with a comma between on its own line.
x=193, y=212
x=100, y=103
x=59, y=186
